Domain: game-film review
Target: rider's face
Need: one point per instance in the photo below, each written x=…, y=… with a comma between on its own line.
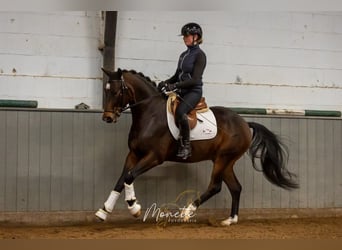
x=189, y=39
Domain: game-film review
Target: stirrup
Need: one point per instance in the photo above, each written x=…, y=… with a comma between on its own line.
x=180, y=147
x=184, y=154
x=184, y=150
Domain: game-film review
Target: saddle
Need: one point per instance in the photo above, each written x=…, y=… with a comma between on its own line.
x=173, y=102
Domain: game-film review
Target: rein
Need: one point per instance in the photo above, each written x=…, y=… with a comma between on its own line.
x=123, y=91
x=128, y=106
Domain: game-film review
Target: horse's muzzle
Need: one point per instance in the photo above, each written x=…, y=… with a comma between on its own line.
x=110, y=117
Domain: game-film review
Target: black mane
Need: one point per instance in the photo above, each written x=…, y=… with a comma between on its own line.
x=145, y=78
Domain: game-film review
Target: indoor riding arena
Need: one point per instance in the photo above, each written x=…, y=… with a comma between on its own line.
x=59, y=161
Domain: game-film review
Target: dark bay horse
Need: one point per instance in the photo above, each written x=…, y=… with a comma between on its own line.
x=151, y=143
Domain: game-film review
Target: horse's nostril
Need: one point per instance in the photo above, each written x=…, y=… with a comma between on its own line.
x=107, y=119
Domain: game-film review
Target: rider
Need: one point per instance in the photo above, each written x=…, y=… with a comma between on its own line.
x=187, y=82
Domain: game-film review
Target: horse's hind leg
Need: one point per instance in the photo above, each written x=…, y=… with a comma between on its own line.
x=235, y=190
x=214, y=187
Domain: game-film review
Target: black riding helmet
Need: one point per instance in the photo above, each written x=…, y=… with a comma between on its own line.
x=192, y=29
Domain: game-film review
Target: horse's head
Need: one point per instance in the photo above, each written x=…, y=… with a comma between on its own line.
x=116, y=96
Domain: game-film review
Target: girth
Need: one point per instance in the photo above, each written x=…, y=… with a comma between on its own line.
x=173, y=102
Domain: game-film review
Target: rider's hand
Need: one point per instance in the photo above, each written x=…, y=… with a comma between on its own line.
x=161, y=85
x=170, y=87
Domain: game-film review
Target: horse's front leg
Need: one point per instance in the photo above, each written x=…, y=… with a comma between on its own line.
x=109, y=204
x=132, y=169
x=144, y=164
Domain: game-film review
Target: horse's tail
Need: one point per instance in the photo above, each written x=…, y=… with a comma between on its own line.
x=273, y=155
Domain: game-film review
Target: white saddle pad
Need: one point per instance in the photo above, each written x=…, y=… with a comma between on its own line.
x=205, y=128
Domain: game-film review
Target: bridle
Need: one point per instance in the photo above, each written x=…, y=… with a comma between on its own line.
x=123, y=92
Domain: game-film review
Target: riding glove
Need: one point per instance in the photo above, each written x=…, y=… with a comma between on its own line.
x=171, y=87
x=161, y=85
x=167, y=87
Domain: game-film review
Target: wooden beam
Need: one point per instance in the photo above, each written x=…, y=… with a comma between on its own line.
x=109, y=44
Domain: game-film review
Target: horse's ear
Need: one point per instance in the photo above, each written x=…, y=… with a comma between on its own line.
x=119, y=73
x=107, y=72
x=113, y=74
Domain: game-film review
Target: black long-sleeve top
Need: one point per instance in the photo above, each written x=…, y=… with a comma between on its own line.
x=191, y=65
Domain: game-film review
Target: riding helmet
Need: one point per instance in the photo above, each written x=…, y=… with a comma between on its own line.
x=192, y=29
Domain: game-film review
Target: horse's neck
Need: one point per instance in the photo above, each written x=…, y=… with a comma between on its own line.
x=148, y=100
x=141, y=89
x=146, y=112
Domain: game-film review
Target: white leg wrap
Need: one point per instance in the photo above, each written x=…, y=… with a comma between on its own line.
x=110, y=202
x=108, y=205
x=135, y=209
x=188, y=212
x=129, y=192
x=230, y=221
x=101, y=214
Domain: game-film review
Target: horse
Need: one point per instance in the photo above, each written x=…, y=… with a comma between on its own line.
x=151, y=143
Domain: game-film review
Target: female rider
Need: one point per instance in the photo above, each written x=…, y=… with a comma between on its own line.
x=187, y=82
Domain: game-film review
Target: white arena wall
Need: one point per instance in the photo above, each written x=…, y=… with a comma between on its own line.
x=51, y=57
x=289, y=60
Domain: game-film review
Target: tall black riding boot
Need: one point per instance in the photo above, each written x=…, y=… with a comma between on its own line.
x=184, y=148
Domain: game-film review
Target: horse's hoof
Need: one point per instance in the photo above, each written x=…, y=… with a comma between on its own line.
x=137, y=214
x=135, y=210
x=101, y=214
x=188, y=213
x=230, y=221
